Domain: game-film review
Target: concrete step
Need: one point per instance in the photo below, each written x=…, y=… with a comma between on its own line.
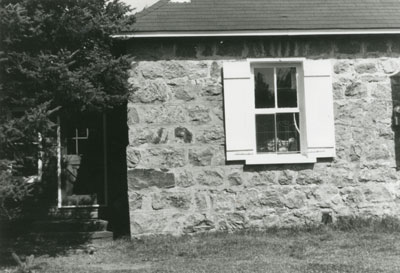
x=72, y=237
x=70, y=225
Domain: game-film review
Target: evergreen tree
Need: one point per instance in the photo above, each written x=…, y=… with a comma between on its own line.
x=56, y=56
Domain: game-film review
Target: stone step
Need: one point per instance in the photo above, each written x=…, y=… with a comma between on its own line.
x=70, y=225
x=72, y=237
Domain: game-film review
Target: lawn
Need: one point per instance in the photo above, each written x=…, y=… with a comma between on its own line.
x=321, y=250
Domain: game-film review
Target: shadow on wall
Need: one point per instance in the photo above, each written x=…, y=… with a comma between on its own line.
x=286, y=167
x=395, y=84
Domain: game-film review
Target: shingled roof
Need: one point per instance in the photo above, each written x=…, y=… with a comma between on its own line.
x=207, y=16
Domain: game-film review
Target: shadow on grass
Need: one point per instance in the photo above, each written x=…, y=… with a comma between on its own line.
x=376, y=224
x=334, y=268
x=18, y=240
x=24, y=249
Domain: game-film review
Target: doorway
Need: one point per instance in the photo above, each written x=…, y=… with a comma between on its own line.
x=83, y=161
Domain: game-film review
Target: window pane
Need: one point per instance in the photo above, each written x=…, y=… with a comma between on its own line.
x=287, y=87
x=287, y=132
x=265, y=133
x=264, y=87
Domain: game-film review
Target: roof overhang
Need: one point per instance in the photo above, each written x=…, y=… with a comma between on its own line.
x=313, y=32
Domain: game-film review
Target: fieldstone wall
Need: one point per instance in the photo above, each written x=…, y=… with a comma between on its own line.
x=178, y=179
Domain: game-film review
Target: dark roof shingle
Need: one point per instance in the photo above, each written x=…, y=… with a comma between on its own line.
x=256, y=15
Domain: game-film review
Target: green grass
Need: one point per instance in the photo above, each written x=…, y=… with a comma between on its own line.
x=345, y=247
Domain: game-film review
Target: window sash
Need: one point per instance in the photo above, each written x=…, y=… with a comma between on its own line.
x=277, y=140
x=275, y=67
x=275, y=110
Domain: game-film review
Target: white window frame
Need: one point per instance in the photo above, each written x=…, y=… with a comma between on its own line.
x=281, y=158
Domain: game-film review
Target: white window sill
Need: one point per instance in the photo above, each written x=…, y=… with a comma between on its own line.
x=262, y=159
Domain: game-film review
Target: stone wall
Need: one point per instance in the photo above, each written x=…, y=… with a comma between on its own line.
x=178, y=179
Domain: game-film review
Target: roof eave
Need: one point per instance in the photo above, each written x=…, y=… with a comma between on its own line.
x=294, y=32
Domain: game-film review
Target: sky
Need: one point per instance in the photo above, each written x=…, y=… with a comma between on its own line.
x=139, y=4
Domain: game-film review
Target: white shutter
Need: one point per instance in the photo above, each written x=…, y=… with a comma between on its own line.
x=319, y=116
x=238, y=101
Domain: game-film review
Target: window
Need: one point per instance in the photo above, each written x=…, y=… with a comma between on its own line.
x=278, y=110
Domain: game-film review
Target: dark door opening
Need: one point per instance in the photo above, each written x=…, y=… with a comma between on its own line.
x=83, y=160
x=94, y=171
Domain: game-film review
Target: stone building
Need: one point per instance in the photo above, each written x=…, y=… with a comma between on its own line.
x=254, y=114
